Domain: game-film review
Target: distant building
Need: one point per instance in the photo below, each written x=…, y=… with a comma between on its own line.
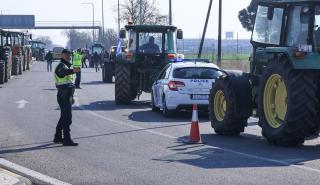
x=229, y=35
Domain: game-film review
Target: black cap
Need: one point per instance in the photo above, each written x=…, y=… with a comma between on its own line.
x=66, y=51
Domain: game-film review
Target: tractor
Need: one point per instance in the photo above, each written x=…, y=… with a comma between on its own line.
x=5, y=56
x=109, y=64
x=283, y=86
x=99, y=48
x=38, y=50
x=149, y=49
x=16, y=43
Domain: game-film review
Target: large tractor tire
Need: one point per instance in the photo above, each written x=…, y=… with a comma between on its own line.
x=15, y=66
x=24, y=63
x=8, y=64
x=2, y=72
x=6, y=73
x=104, y=74
x=230, y=104
x=123, y=87
x=20, y=65
x=288, y=103
x=108, y=72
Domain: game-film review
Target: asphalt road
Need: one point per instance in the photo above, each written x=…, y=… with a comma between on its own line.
x=130, y=145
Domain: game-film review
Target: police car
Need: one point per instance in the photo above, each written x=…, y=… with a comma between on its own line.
x=180, y=85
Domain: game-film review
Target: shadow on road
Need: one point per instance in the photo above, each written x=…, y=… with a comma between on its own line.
x=147, y=116
x=93, y=83
x=110, y=105
x=238, y=152
x=43, y=146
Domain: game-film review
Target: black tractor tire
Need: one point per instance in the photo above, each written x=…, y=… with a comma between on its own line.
x=8, y=59
x=15, y=66
x=230, y=104
x=2, y=72
x=108, y=68
x=302, y=104
x=123, y=86
x=153, y=106
x=103, y=71
x=20, y=65
x=6, y=74
x=24, y=63
x=165, y=111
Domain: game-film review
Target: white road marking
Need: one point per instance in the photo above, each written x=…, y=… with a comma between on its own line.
x=31, y=173
x=213, y=147
x=22, y=104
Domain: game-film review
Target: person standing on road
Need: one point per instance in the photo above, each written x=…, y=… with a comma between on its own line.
x=76, y=60
x=84, y=59
x=65, y=87
x=96, y=60
x=49, y=59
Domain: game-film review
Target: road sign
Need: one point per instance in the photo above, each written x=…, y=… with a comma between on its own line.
x=17, y=21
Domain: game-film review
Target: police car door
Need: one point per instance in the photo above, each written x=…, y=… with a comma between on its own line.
x=159, y=86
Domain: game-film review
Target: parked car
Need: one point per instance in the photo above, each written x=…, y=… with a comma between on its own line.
x=56, y=52
x=180, y=85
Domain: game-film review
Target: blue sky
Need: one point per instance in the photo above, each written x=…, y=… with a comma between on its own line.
x=187, y=14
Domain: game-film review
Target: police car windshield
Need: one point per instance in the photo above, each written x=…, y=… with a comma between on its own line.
x=196, y=73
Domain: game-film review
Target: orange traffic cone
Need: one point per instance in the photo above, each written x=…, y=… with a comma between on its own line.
x=194, y=132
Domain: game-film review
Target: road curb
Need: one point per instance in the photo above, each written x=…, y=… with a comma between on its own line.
x=9, y=178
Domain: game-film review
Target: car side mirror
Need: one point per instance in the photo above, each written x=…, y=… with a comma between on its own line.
x=123, y=33
x=179, y=34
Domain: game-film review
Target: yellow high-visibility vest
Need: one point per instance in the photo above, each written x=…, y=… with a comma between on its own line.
x=76, y=59
x=68, y=79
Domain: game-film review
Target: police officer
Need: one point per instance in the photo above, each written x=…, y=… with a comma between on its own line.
x=76, y=60
x=64, y=83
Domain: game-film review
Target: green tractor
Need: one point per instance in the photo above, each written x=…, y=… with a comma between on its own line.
x=149, y=49
x=98, y=48
x=283, y=86
x=38, y=50
x=109, y=64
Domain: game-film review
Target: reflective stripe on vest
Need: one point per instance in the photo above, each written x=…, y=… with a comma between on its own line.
x=68, y=79
x=77, y=59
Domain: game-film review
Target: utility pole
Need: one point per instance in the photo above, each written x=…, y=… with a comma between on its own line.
x=205, y=30
x=102, y=20
x=140, y=12
x=118, y=16
x=170, y=12
x=219, y=34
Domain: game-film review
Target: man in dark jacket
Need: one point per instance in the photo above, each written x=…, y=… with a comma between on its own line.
x=150, y=47
x=49, y=59
x=65, y=87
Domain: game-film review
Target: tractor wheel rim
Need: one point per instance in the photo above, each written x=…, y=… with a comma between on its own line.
x=275, y=101
x=220, y=105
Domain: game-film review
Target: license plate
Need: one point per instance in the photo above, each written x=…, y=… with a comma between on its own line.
x=199, y=97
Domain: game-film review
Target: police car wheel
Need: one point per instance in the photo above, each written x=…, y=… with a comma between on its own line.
x=165, y=111
x=154, y=108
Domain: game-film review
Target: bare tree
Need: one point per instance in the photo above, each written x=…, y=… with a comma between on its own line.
x=150, y=13
x=45, y=39
x=78, y=39
x=110, y=38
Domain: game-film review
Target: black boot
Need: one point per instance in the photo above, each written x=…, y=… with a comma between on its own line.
x=58, y=137
x=67, y=141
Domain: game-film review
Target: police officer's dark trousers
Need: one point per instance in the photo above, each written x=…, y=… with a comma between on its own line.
x=78, y=79
x=64, y=98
